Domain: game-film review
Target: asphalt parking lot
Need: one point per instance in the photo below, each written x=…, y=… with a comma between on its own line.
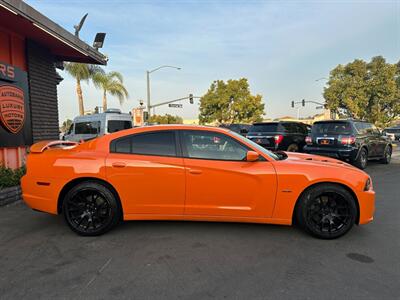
x=41, y=258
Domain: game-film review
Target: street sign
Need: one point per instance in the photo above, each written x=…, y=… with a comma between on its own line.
x=175, y=105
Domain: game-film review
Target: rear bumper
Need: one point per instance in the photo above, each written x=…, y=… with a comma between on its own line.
x=348, y=154
x=366, y=201
x=39, y=197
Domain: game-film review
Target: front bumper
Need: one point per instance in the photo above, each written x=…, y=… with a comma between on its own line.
x=366, y=202
x=347, y=154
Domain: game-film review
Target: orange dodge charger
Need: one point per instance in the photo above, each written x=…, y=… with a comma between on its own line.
x=196, y=173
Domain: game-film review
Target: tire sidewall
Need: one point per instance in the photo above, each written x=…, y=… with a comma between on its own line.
x=316, y=191
x=106, y=193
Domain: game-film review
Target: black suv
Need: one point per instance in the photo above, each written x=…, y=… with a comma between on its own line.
x=350, y=140
x=242, y=129
x=283, y=135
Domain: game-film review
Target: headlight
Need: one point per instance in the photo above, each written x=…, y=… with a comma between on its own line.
x=368, y=185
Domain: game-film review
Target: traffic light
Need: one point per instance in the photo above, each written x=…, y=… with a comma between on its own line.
x=293, y=104
x=145, y=116
x=191, y=98
x=303, y=102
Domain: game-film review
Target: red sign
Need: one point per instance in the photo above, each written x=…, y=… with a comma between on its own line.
x=12, y=108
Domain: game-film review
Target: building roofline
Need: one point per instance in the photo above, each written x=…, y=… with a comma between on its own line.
x=51, y=28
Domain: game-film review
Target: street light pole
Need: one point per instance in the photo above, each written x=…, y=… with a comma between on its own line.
x=148, y=85
x=148, y=93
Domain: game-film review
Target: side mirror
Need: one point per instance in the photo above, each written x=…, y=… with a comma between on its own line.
x=252, y=156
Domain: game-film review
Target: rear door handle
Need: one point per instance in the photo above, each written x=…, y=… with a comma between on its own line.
x=195, y=172
x=119, y=165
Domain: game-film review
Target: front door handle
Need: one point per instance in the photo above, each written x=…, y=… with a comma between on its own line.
x=119, y=165
x=195, y=172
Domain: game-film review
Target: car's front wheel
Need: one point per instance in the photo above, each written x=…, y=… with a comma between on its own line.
x=91, y=209
x=326, y=211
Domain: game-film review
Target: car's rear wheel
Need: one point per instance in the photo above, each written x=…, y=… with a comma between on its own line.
x=362, y=159
x=91, y=209
x=293, y=148
x=326, y=211
x=387, y=156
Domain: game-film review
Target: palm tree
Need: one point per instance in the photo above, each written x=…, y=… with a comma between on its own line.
x=82, y=72
x=111, y=83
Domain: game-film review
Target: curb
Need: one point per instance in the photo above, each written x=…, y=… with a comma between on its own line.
x=10, y=195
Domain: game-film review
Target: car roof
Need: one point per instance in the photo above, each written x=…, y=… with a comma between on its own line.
x=277, y=122
x=342, y=120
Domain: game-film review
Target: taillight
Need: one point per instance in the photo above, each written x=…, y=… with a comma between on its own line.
x=278, y=139
x=347, y=140
x=308, y=140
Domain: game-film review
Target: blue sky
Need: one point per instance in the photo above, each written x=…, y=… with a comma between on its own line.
x=280, y=46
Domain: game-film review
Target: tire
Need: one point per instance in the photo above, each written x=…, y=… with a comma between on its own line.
x=387, y=156
x=91, y=209
x=326, y=211
x=362, y=159
x=293, y=148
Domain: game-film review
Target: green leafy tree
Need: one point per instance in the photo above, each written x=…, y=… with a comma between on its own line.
x=111, y=83
x=81, y=72
x=65, y=125
x=367, y=91
x=165, y=119
x=230, y=102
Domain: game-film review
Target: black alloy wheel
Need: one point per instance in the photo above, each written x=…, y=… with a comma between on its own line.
x=327, y=211
x=91, y=209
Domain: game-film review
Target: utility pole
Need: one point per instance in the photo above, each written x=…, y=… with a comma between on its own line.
x=148, y=85
x=148, y=93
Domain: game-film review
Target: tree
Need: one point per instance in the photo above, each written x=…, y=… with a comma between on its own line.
x=165, y=119
x=65, y=125
x=230, y=102
x=111, y=83
x=367, y=91
x=81, y=72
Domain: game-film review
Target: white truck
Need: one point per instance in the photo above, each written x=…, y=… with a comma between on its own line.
x=91, y=126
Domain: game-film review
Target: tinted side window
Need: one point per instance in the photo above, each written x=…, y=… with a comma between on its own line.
x=87, y=127
x=360, y=127
x=160, y=143
x=212, y=145
x=117, y=125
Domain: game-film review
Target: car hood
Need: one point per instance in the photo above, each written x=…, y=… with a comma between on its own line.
x=316, y=160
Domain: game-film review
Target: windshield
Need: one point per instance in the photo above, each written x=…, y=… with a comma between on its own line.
x=332, y=128
x=255, y=145
x=271, y=127
x=117, y=125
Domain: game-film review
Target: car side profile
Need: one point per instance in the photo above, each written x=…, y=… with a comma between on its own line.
x=193, y=173
x=350, y=140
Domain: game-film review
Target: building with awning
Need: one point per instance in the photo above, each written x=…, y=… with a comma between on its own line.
x=31, y=48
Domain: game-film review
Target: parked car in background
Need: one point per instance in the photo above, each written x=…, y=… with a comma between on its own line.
x=242, y=129
x=350, y=140
x=283, y=135
x=91, y=126
x=393, y=131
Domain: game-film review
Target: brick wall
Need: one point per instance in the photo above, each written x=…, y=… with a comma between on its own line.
x=43, y=80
